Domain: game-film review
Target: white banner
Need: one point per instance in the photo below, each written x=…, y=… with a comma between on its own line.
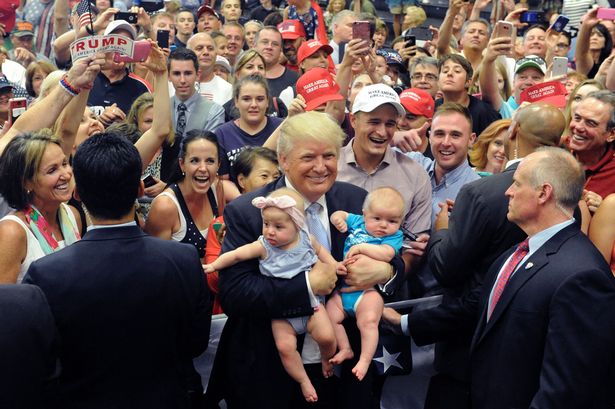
x=87, y=46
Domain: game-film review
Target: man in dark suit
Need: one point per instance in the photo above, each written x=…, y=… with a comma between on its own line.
x=131, y=310
x=547, y=310
x=248, y=372
x=27, y=346
x=460, y=252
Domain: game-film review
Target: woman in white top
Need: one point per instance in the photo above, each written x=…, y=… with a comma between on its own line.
x=36, y=180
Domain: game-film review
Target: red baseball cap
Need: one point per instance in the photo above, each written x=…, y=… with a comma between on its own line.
x=310, y=47
x=207, y=9
x=317, y=86
x=7, y=14
x=551, y=92
x=418, y=102
x=291, y=29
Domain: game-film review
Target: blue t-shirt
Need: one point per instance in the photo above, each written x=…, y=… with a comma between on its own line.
x=358, y=235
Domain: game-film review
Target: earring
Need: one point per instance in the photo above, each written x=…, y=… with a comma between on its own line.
x=28, y=192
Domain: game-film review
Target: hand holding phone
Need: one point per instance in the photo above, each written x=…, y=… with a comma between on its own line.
x=560, y=23
x=532, y=17
x=410, y=41
x=126, y=16
x=140, y=53
x=17, y=106
x=361, y=30
x=605, y=13
x=559, y=67
x=162, y=38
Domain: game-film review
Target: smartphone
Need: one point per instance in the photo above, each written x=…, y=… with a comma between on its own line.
x=560, y=23
x=410, y=41
x=17, y=106
x=532, y=17
x=140, y=54
x=605, y=13
x=126, y=16
x=505, y=29
x=408, y=234
x=162, y=38
x=149, y=181
x=560, y=66
x=361, y=30
x=422, y=33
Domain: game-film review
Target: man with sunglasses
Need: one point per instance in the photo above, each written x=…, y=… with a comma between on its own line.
x=529, y=71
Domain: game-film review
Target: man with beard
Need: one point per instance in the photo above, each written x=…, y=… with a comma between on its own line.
x=293, y=35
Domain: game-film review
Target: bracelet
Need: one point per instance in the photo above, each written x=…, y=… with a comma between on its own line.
x=68, y=87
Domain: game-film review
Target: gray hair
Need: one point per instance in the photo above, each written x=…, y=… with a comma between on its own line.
x=476, y=20
x=562, y=171
x=422, y=60
x=342, y=15
x=606, y=97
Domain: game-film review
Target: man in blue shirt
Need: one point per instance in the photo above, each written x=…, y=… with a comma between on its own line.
x=451, y=138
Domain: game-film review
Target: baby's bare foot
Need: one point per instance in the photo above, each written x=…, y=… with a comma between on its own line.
x=309, y=393
x=341, y=356
x=327, y=368
x=360, y=369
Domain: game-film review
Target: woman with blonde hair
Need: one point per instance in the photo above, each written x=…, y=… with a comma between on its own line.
x=504, y=84
x=488, y=154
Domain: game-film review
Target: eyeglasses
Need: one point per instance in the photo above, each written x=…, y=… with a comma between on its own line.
x=428, y=77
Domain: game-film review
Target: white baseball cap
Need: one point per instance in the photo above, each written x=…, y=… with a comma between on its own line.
x=123, y=25
x=373, y=96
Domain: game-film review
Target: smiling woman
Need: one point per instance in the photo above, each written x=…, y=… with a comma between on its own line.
x=184, y=210
x=36, y=181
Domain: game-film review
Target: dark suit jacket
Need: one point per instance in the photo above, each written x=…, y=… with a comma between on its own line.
x=248, y=372
x=27, y=346
x=549, y=342
x=131, y=311
x=459, y=257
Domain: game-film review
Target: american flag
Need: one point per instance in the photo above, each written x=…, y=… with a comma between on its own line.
x=84, y=12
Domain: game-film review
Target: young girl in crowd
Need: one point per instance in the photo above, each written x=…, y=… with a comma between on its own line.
x=376, y=234
x=286, y=249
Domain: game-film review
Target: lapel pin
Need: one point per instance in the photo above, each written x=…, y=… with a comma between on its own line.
x=529, y=265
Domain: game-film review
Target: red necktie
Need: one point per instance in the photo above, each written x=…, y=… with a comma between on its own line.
x=500, y=284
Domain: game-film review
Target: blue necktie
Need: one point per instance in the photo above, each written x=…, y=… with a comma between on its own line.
x=315, y=226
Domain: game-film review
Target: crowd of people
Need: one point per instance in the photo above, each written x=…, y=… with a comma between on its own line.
x=269, y=162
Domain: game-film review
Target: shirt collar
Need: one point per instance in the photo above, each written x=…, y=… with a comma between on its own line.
x=109, y=226
x=350, y=158
x=451, y=176
x=321, y=200
x=190, y=102
x=540, y=238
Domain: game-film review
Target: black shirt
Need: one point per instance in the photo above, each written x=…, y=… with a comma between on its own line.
x=481, y=112
x=122, y=92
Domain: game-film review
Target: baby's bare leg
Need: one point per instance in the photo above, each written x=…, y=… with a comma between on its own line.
x=286, y=343
x=368, y=314
x=337, y=315
x=320, y=328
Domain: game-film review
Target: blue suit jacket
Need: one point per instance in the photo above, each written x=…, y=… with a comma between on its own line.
x=550, y=340
x=131, y=311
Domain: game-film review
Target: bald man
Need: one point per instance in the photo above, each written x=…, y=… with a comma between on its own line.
x=460, y=256
x=211, y=86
